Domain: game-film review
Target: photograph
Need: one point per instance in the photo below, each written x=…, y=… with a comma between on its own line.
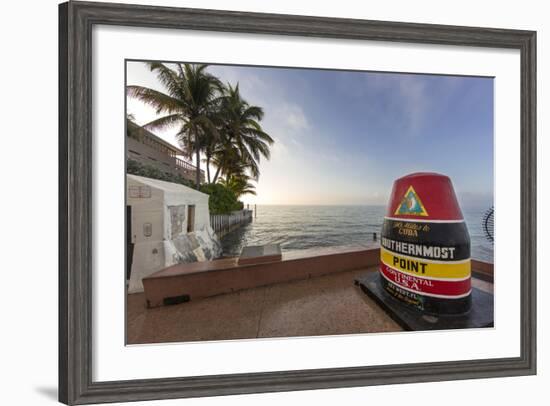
x=259, y=203
x=267, y=202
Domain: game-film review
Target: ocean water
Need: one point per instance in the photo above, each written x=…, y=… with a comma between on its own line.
x=305, y=227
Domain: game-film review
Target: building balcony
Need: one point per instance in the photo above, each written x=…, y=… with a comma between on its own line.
x=146, y=148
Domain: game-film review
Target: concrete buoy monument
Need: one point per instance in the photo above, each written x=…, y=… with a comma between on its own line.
x=425, y=246
x=424, y=278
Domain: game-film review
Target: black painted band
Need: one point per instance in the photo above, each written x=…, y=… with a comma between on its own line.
x=432, y=241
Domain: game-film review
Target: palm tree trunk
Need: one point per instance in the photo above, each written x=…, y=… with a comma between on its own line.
x=208, y=167
x=216, y=174
x=198, y=172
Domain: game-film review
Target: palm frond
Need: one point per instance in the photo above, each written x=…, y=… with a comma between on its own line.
x=169, y=79
x=161, y=102
x=163, y=123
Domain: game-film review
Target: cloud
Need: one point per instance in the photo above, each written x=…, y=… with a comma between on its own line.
x=406, y=96
x=262, y=90
x=290, y=116
x=414, y=101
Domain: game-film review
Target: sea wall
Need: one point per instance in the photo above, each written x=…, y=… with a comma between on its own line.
x=225, y=223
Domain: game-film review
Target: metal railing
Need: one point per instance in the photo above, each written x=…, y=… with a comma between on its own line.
x=180, y=163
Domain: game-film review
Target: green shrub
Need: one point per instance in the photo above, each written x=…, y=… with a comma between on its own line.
x=148, y=171
x=222, y=200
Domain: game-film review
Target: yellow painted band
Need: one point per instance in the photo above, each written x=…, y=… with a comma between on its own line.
x=424, y=267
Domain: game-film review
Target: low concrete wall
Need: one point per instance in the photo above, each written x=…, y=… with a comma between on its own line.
x=483, y=270
x=183, y=282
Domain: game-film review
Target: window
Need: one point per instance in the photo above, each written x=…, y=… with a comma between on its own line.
x=190, y=218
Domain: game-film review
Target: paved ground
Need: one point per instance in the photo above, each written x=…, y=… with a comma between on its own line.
x=325, y=305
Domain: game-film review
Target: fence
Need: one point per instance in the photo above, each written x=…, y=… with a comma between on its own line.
x=225, y=223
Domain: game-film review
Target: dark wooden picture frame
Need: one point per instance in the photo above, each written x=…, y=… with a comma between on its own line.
x=76, y=20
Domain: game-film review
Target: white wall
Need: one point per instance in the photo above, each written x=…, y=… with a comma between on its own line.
x=29, y=265
x=150, y=205
x=146, y=210
x=155, y=208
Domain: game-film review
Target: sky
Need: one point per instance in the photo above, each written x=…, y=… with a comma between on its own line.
x=343, y=137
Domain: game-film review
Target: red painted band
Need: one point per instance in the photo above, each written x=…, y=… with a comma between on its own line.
x=427, y=286
x=433, y=193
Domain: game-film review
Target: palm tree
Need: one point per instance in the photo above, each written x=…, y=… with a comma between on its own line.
x=242, y=141
x=210, y=141
x=212, y=137
x=239, y=184
x=228, y=161
x=190, y=98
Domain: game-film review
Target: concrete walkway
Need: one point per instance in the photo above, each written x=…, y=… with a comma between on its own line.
x=324, y=305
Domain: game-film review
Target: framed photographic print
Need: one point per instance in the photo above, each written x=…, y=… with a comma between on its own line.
x=258, y=202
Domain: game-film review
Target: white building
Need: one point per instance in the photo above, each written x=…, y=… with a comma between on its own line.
x=166, y=223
